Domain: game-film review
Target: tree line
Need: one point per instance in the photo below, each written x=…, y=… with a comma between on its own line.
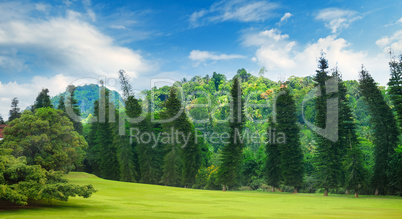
x=365, y=157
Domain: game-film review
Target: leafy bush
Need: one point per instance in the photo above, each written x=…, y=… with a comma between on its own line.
x=206, y=178
x=245, y=188
x=20, y=182
x=265, y=188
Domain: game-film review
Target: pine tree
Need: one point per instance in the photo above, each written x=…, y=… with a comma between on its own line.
x=385, y=131
x=328, y=153
x=73, y=104
x=102, y=157
x=273, y=159
x=150, y=155
x=291, y=155
x=232, y=152
x=92, y=159
x=2, y=120
x=15, y=111
x=395, y=93
x=126, y=150
x=348, y=143
x=62, y=105
x=395, y=87
x=191, y=155
x=43, y=100
x=172, y=162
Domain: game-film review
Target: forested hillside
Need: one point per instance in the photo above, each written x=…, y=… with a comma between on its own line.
x=213, y=91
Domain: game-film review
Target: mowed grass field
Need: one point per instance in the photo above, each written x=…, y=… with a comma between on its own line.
x=134, y=200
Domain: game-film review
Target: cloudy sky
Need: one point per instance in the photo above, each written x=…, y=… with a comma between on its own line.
x=50, y=44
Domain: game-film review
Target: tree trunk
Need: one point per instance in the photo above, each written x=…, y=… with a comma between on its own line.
x=356, y=193
x=347, y=192
x=326, y=192
x=296, y=190
x=376, y=192
x=273, y=189
x=224, y=188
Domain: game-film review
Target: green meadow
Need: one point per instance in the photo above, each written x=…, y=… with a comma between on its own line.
x=133, y=200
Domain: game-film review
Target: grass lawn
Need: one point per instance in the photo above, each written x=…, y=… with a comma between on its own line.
x=123, y=200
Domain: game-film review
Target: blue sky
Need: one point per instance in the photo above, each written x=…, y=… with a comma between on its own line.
x=54, y=43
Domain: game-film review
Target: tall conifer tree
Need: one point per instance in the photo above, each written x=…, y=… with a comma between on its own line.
x=395, y=93
x=43, y=100
x=329, y=159
x=73, y=104
x=15, y=110
x=232, y=152
x=126, y=150
x=385, y=131
x=348, y=143
x=291, y=155
x=273, y=160
x=172, y=162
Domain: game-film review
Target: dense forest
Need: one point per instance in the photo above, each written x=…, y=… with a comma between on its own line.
x=275, y=137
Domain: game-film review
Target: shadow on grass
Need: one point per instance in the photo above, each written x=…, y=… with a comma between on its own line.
x=40, y=204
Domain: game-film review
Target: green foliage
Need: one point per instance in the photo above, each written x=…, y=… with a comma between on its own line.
x=20, y=182
x=181, y=161
x=291, y=155
x=206, y=178
x=232, y=152
x=46, y=138
x=353, y=162
x=102, y=153
x=150, y=157
x=385, y=136
x=395, y=86
x=86, y=96
x=14, y=111
x=43, y=100
x=329, y=154
x=2, y=120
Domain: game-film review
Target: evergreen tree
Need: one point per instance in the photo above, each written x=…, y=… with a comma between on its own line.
x=273, y=159
x=102, y=155
x=73, y=104
x=385, y=131
x=126, y=150
x=329, y=154
x=172, y=162
x=348, y=141
x=43, y=100
x=92, y=159
x=191, y=155
x=15, y=111
x=2, y=120
x=395, y=87
x=150, y=155
x=291, y=155
x=232, y=152
x=395, y=93
x=62, y=105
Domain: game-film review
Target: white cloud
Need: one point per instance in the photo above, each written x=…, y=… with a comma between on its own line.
x=66, y=45
x=42, y=7
x=91, y=14
x=27, y=92
x=393, y=42
x=238, y=10
x=282, y=59
x=399, y=21
x=285, y=17
x=337, y=19
x=119, y=27
x=204, y=56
